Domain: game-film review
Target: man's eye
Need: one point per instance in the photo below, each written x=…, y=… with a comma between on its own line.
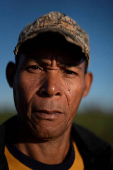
x=69, y=72
x=35, y=67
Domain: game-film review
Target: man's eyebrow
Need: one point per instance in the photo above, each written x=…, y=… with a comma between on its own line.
x=38, y=59
x=70, y=64
x=32, y=58
x=76, y=65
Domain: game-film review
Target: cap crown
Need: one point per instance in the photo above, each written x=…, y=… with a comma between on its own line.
x=56, y=22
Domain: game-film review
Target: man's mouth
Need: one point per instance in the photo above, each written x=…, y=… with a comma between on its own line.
x=46, y=114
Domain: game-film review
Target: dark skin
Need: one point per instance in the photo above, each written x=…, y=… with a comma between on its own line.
x=48, y=86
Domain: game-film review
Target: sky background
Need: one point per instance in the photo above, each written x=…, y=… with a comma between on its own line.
x=95, y=17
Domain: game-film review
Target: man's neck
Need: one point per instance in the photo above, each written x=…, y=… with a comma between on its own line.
x=52, y=151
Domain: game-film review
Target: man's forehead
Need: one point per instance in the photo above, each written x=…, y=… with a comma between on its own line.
x=62, y=57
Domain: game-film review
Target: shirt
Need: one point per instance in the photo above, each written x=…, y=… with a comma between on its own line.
x=19, y=161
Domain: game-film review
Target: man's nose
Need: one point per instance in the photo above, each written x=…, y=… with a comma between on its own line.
x=51, y=86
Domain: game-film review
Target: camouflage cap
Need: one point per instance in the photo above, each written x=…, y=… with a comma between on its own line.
x=56, y=22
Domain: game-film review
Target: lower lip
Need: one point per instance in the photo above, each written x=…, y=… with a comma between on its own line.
x=47, y=116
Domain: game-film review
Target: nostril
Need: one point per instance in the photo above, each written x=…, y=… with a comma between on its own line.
x=57, y=94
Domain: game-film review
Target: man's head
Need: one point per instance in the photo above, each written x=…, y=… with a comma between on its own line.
x=49, y=78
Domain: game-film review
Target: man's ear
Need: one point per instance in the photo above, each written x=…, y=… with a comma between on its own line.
x=10, y=73
x=88, y=83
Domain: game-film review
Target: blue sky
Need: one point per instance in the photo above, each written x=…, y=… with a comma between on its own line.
x=95, y=17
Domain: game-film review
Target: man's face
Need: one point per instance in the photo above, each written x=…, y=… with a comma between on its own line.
x=48, y=88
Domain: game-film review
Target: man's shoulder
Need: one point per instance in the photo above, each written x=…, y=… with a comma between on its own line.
x=7, y=134
x=92, y=147
x=9, y=129
x=88, y=137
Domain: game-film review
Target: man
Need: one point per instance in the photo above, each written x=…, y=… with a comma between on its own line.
x=49, y=79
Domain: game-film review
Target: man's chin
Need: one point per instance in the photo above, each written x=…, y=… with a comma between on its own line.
x=47, y=130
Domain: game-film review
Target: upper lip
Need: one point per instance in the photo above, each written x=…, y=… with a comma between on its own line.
x=48, y=111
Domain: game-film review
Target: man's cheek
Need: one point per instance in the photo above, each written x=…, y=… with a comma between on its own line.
x=74, y=99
